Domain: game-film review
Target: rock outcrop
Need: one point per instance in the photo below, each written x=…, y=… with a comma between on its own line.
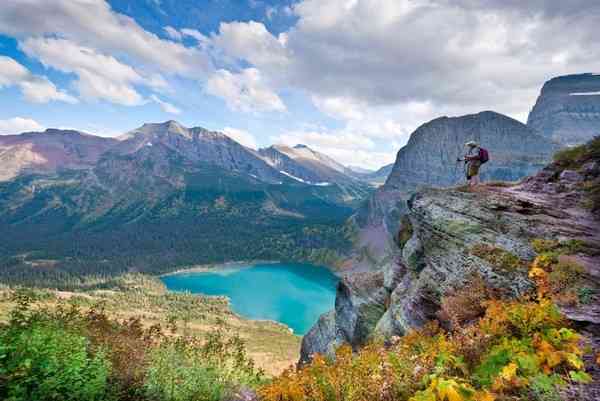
x=429, y=159
x=436, y=253
x=568, y=109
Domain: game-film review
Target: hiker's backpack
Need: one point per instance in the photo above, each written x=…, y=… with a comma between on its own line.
x=484, y=156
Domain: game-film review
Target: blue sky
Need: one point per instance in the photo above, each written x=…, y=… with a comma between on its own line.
x=352, y=78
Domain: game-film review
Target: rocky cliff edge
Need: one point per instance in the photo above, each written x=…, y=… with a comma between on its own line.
x=449, y=235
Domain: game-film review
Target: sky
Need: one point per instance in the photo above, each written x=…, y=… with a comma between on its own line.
x=351, y=78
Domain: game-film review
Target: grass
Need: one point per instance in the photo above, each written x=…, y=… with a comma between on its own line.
x=271, y=345
x=575, y=158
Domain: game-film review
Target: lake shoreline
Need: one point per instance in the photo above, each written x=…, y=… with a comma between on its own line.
x=211, y=267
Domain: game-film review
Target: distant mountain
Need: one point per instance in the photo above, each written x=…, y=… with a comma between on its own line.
x=568, y=109
x=308, y=158
x=376, y=178
x=429, y=160
x=164, y=195
x=49, y=151
x=360, y=170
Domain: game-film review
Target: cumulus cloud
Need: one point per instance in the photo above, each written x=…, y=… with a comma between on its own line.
x=251, y=41
x=245, y=91
x=464, y=55
x=241, y=136
x=345, y=147
x=35, y=88
x=17, y=125
x=165, y=106
x=99, y=76
x=93, y=24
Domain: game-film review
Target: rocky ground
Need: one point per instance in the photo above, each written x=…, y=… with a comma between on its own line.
x=437, y=243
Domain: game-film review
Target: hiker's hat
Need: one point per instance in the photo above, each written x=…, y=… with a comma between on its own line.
x=472, y=144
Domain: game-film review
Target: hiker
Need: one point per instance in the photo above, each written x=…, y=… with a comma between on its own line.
x=475, y=157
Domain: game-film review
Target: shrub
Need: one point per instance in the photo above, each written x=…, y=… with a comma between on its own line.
x=518, y=348
x=405, y=232
x=466, y=304
x=556, y=274
x=64, y=354
x=498, y=257
x=571, y=157
x=190, y=369
x=127, y=345
x=49, y=359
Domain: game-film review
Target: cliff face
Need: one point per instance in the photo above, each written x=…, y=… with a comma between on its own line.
x=568, y=109
x=436, y=253
x=429, y=159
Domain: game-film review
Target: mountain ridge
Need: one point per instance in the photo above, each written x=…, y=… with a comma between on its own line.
x=568, y=109
x=429, y=159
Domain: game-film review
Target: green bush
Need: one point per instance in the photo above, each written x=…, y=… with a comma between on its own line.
x=185, y=369
x=61, y=353
x=42, y=359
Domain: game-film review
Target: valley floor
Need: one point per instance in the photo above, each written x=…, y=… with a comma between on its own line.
x=271, y=345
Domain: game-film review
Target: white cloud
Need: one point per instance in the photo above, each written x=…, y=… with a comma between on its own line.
x=343, y=108
x=461, y=55
x=345, y=147
x=245, y=91
x=165, y=106
x=11, y=72
x=99, y=76
x=335, y=139
x=35, y=88
x=193, y=33
x=42, y=90
x=241, y=136
x=92, y=24
x=16, y=125
x=173, y=33
x=252, y=41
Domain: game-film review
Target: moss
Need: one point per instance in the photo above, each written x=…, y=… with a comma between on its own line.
x=459, y=227
x=501, y=184
x=498, y=257
x=406, y=231
x=570, y=157
x=565, y=275
x=576, y=157
x=570, y=247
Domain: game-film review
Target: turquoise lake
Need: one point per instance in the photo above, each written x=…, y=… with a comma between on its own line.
x=292, y=294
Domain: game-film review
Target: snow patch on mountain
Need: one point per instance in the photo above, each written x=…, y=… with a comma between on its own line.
x=319, y=184
x=585, y=94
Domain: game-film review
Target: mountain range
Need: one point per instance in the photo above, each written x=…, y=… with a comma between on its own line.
x=166, y=195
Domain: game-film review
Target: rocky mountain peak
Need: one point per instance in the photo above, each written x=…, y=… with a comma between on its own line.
x=429, y=159
x=568, y=109
x=160, y=129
